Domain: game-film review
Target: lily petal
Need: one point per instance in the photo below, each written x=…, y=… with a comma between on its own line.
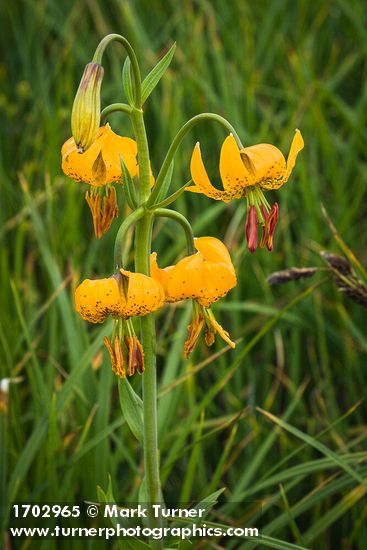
x=200, y=178
x=100, y=164
x=235, y=174
x=296, y=146
x=144, y=295
x=268, y=162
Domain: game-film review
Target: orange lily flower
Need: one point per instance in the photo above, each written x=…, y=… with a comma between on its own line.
x=246, y=173
x=100, y=167
x=123, y=296
x=205, y=276
x=100, y=164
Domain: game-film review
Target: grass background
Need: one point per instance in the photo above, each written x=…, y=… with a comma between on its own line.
x=268, y=67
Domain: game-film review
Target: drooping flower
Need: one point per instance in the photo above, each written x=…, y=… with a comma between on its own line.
x=124, y=295
x=100, y=167
x=205, y=277
x=85, y=115
x=247, y=173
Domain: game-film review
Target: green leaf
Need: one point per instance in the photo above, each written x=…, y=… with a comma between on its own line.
x=185, y=545
x=271, y=542
x=152, y=79
x=166, y=183
x=333, y=514
x=127, y=82
x=209, y=501
x=132, y=408
x=108, y=498
x=316, y=444
x=129, y=188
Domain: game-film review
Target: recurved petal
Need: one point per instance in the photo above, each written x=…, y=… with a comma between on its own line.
x=218, y=279
x=79, y=166
x=236, y=175
x=114, y=147
x=214, y=250
x=185, y=279
x=296, y=146
x=100, y=164
x=268, y=164
x=143, y=295
x=160, y=275
x=96, y=299
x=200, y=178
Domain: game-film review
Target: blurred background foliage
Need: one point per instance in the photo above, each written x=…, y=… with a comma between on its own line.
x=268, y=67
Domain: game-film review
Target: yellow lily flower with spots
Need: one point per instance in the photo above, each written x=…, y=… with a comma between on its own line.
x=247, y=173
x=100, y=167
x=124, y=295
x=205, y=277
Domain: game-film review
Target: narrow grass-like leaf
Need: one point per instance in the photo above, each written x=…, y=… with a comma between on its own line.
x=271, y=542
x=316, y=444
x=129, y=188
x=304, y=469
x=220, y=466
x=209, y=501
x=132, y=408
x=191, y=469
x=128, y=543
x=127, y=81
x=152, y=79
x=166, y=183
x=84, y=448
x=331, y=516
x=263, y=450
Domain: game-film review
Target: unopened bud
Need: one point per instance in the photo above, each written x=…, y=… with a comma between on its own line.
x=85, y=115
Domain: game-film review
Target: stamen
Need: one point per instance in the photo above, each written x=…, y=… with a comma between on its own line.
x=271, y=221
x=94, y=202
x=102, y=219
x=251, y=229
x=194, y=330
x=120, y=369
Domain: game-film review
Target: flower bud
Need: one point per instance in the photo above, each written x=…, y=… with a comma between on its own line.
x=85, y=115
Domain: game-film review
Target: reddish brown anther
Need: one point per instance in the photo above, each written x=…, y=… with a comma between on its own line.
x=271, y=220
x=136, y=355
x=110, y=209
x=194, y=330
x=209, y=336
x=116, y=356
x=102, y=217
x=251, y=229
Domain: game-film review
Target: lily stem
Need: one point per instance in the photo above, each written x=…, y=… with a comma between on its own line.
x=97, y=58
x=143, y=239
x=177, y=141
x=180, y=219
x=114, y=108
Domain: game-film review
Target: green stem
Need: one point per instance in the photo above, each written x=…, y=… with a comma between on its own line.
x=120, y=237
x=143, y=238
x=97, y=58
x=171, y=198
x=137, y=119
x=177, y=142
x=179, y=218
x=113, y=108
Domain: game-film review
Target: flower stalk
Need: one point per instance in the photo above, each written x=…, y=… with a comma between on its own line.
x=185, y=129
x=147, y=325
